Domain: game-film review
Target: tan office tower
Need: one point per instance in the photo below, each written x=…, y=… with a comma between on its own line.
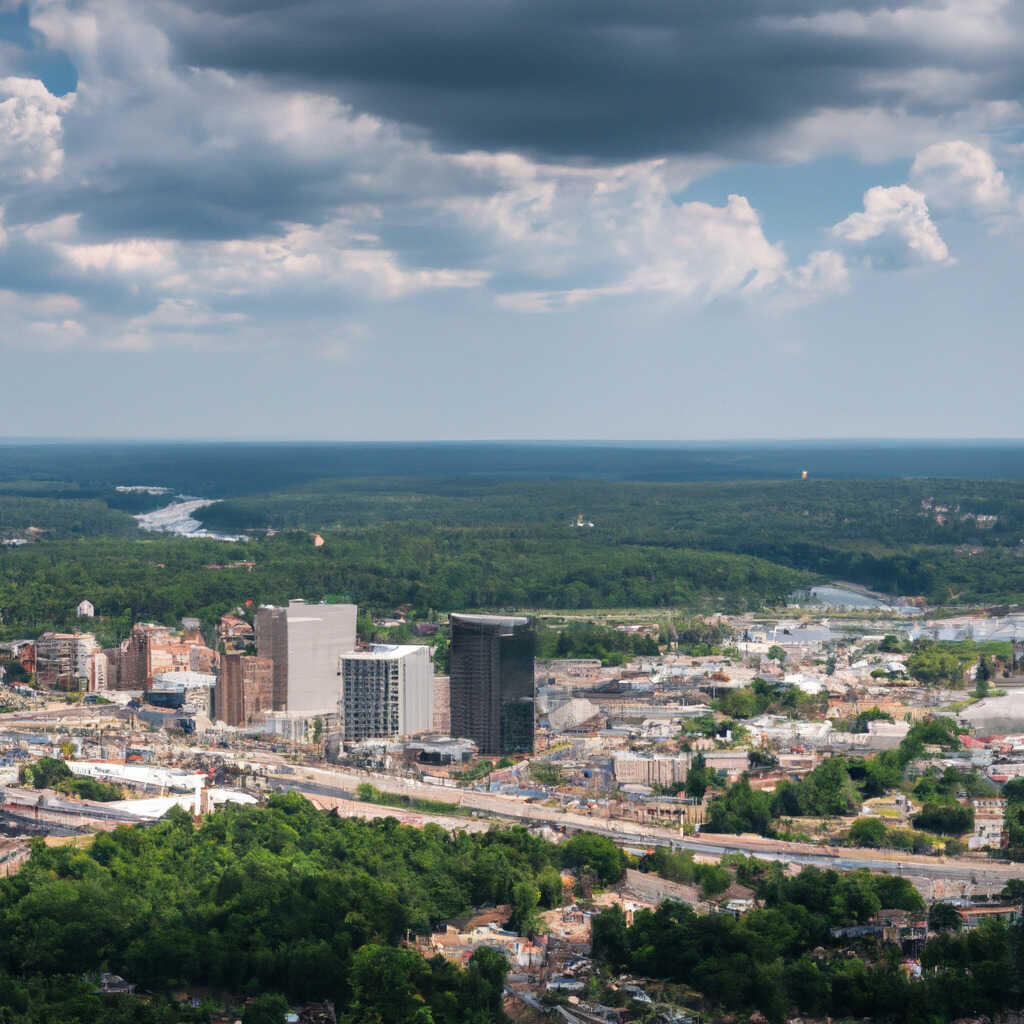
x=245, y=689
x=305, y=642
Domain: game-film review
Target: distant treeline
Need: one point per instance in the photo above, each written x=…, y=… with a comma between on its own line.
x=480, y=543
x=888, y=512
x=444, y=569
x=896, y=536
x=47, y=518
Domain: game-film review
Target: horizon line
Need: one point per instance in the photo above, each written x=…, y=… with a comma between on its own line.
x=29, y=439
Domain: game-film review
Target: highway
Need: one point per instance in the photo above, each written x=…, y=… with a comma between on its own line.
x=344, y=784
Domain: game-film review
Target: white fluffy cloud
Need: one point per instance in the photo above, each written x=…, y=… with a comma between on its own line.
x=185, y=280
x=887, y=131
x=330, y=256
x=31, y=125
x=825, y=271
x=649, y=243
x=178, y=201
x=957, y=175
x=625, y=227
x=131, y=256
x=894, y=227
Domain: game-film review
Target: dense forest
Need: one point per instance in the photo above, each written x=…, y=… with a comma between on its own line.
x=884, y=534
x=56, y=510
x=477, y=540
x=440, y=569
x=284, y=900
x=888, y=512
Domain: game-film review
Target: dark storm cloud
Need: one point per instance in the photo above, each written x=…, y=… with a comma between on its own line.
x=577, y=78
x=191, y=201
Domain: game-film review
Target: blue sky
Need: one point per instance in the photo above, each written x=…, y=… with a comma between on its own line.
x=511, y=219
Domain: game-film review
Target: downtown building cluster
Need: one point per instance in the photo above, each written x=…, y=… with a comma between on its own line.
x=390, y=690
x=73, y=662
x=301, y=668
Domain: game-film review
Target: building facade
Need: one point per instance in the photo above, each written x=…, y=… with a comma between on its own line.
x=492, y=682
x=305, y=642
x=442, y=718
x=637, y=769
x=386, y=691
x=99, y=679
x=989, y=823
x=245, y=689
x=64, y=660
x=153, y=649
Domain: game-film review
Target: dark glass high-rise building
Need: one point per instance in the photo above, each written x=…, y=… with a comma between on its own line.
x=492, y=688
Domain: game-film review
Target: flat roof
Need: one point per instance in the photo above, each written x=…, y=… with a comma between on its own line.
x=492, y=620
x=383, y=651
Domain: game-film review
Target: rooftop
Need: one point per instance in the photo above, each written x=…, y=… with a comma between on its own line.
x=492, y=620
x=379, y=651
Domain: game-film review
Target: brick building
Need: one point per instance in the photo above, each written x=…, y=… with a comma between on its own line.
x=153, y=649
x=245, y=689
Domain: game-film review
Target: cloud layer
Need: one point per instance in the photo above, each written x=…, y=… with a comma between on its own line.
x=240, y=172
x=598, y=78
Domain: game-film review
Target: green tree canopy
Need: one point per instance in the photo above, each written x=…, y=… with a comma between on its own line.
x=600, y=855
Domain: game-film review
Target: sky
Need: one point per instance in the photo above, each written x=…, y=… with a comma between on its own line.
x=389, y=219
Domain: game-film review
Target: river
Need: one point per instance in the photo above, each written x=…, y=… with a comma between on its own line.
x=178, y=518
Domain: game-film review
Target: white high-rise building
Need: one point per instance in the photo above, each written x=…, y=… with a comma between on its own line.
x=386, y=691
x=305, y=641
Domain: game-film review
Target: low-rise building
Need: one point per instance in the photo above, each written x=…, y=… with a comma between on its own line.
x=572, y=668
x=300, y=726
x=152, y=649
x=650, y=769
x=880, y=735
x=989, y=822
x=571, y=713
x=235, y=633
x=731, y=763
x=973, y=916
